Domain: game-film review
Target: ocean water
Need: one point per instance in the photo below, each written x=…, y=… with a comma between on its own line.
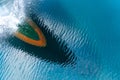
x=83, y=40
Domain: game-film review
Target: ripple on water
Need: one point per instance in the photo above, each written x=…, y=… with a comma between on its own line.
x=5, y=2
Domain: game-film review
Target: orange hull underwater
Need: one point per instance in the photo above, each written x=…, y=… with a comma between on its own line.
x=41, y=42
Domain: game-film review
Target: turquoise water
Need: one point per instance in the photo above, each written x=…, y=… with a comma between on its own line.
x=88, y=30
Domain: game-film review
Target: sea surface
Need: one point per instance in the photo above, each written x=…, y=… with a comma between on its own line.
x=83, y=40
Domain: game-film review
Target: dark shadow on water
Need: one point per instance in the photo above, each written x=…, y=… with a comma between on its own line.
x=56, y=50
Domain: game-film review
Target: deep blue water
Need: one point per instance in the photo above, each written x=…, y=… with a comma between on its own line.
x=89, y=29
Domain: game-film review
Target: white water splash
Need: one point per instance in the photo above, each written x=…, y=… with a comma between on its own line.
x=10, y=16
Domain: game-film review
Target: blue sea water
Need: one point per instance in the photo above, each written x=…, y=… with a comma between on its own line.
x=91, y=30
